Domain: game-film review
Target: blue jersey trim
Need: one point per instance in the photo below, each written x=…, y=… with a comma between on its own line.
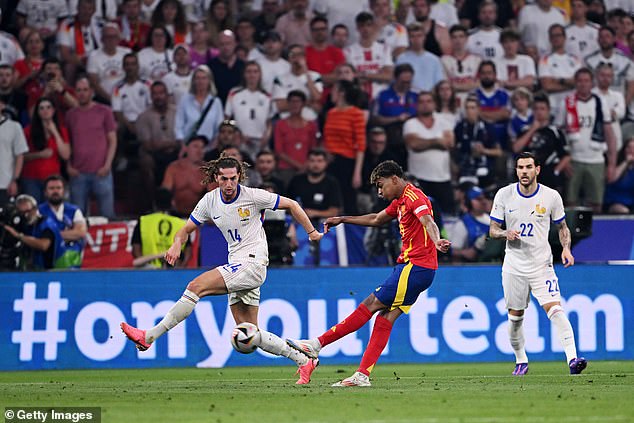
x=234, y=198
x=193, y=219
x=560, y=220
x=526, y=196
x=496, y=219
x=277, y=202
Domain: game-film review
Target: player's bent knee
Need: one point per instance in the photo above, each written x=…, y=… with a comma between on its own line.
x=373, y=304
x=516, y=312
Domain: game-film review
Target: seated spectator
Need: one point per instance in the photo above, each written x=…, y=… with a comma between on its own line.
x=470, y=232
x=251, y=108
x=155, y=131
x=10, y=50
x=494, y=102
x=28, y=68
x=245, y=34
x=12, y=148
x=522, y=113
x=476, y=147
x=200, y=52
x=105, y=65
x=446, y=102
x=49, y=144
x=170, y=14
x=156, y=59
x=294, y=25
x=51, y=84
x=183, y=177
x=226, y=67
x=134, y=31
x=93, y=136
x=14, y=100
x=321, y=56
x=199, y=111
x=178, y=81
x=265, y=166
x=619, y=195
x=428, y=70
x=548, y=144
x=514, y=70
x=229, y=135
x=461, y=67
x=70, y=222
x=299, y=78
x=294, y=137
x=272, y=63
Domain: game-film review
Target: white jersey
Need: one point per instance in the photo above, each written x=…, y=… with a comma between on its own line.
x=131, y=99
x=177, y=85
x=582, y=40
x=460, y=71
x=10, y=50
x=155, y=65
x=393, y=35
x=517, y=68
x=557, y=66
x=109, y=69
x=90, y=36
x=271, y=70
x=485, y=44
x=615, y=102
x=42, y=14
x=533, y=24
x=240, y=221
x=582, y=148
x=286, y=83
x=370, y=60
x=622, y=66
x=530, y=216
x=251, y=110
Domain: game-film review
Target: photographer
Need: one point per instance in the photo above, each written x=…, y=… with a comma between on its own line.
x=41, y=237
x=12, y=148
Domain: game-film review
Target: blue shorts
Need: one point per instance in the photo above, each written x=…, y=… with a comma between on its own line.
x=402, y=288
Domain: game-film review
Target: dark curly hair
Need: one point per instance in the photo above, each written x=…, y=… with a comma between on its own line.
x=385, y=170
x=211, y=169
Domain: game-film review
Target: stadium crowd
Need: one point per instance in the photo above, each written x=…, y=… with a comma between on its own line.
x=124, y=97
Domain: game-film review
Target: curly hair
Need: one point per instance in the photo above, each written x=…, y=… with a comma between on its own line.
x=385, y=170
x=211, y=169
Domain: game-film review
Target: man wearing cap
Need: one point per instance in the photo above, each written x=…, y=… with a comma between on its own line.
x=470, y=232
x=105, y=65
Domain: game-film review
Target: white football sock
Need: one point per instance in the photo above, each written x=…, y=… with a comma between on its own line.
x=516, y=336
x=179, y=312
x=273, y=344
x=559, y=319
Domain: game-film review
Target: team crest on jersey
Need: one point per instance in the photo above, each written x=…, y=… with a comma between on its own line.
x=243, y=213
x=540, y=210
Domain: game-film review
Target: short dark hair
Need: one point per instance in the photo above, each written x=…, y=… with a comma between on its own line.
x=403, y=67
x=385, y=170
x=318, y=152
x=527, y=155
x=581, y=71
x=158, y=83
x=487, y=63
x=609, y=29
x=458, y=28
x=316, y=19
x=6, y=66
x=339, y=26
x=51, y=60
x=364, y=17
x=200, y=138
x=509, y=34
x=557, y=26
x=296, y=93
x=265, y=153
x=541, y=97
x=54, y=178
x=162, y=199
x=128, y=55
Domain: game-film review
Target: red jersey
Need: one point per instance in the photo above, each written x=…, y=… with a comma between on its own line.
x=417, y=247
x=324, y=61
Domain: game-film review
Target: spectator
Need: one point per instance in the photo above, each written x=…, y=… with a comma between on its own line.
x=48, y=143
x=514, y=70
x=265, y=21
x=155, y=131
x=322, y=57
x=251, y=108
x=534, y=20
x=444, y=13
x=294, y=137
x=612, y=100
x=170, y=15
x=199, y=111
x=548, y=144
x=429, y=139
x=340, y=36
x=154, y=233
x=428, y=70
x=484, y=40
x=245, y=33
x=218, y=20
x=51, y=84
x=10, y=50
x=265, y=166
x=394, y=106
x=446, y=102
x=471, y=13
x=44, y=17
x=105, y=10
x=70, y=222
x=229, y=135
x=435, y=35
x=461, y=67
x=626, y=26
x=272, y=64
x=494, y=102
x=93, y=136
x=341, y=13
x=178, y=80
x=390, y=33
x=346, y=72
x=344, y=139
x=27, y=68
x=521, y=114
x=156, y=59
x=226, y=67
x=41, y=238
x=377, y=152
x=299, y=78
x=471, y=230
x=134, y=32
x=619, y=195
x=596, y=12
x=12, y=149
x=476, y=147
x=590, y=134
x=582, y=34
x=294, y=25
x=105, y=65
x=372, y=59
x=252, y=177
x=316, y=191
x=183, y=177
x=556, y=72
x=77, y=38
x=14, y=100
x=199, y=51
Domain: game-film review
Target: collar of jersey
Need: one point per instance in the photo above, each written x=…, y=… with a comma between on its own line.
x=234, y=198
x=519, y=192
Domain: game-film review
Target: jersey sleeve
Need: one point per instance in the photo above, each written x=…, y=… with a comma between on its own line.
x=201, y=212
x=497, y=211
x=558, y=214
x=420, y=207
x=392, y=208
x=265, y=200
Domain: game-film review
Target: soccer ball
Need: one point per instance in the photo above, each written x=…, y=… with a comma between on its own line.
x=245, y=338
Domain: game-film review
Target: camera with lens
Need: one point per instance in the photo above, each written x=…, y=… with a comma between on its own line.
x=10, y=246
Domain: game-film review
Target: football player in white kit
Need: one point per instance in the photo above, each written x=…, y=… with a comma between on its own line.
x=527, y=208
x=238, y=212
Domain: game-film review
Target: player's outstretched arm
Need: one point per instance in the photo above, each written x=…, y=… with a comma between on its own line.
x=372, y=219
x=434, y=233
x=300, y=217
x=566, y=240
x=496, y=231
x=180, y=238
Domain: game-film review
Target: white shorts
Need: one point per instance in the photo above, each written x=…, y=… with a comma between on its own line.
x=243, y=281
x=517, y=289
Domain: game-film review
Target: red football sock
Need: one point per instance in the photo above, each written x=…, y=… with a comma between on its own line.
x=378, y=341
x=358, y=318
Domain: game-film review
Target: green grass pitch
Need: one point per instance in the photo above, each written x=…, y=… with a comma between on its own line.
x=439, y=393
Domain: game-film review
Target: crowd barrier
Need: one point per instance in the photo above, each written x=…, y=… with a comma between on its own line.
x=62, y=320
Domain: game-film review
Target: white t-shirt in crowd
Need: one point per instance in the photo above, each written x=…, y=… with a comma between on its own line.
x=42, y=14
x=614, y=101
x=517, y=68
x=250, y=109
x=177, y=85
x=154, y=65
x=393, y=35
x=109, y=69
x=289, y=82
x=370, y=60
x=533, y=24
x=582, y=149
x=430, y=165
x=582, y=40
x=271, y=70
x=485, y=44
x=131, y=99
x=557, y=66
